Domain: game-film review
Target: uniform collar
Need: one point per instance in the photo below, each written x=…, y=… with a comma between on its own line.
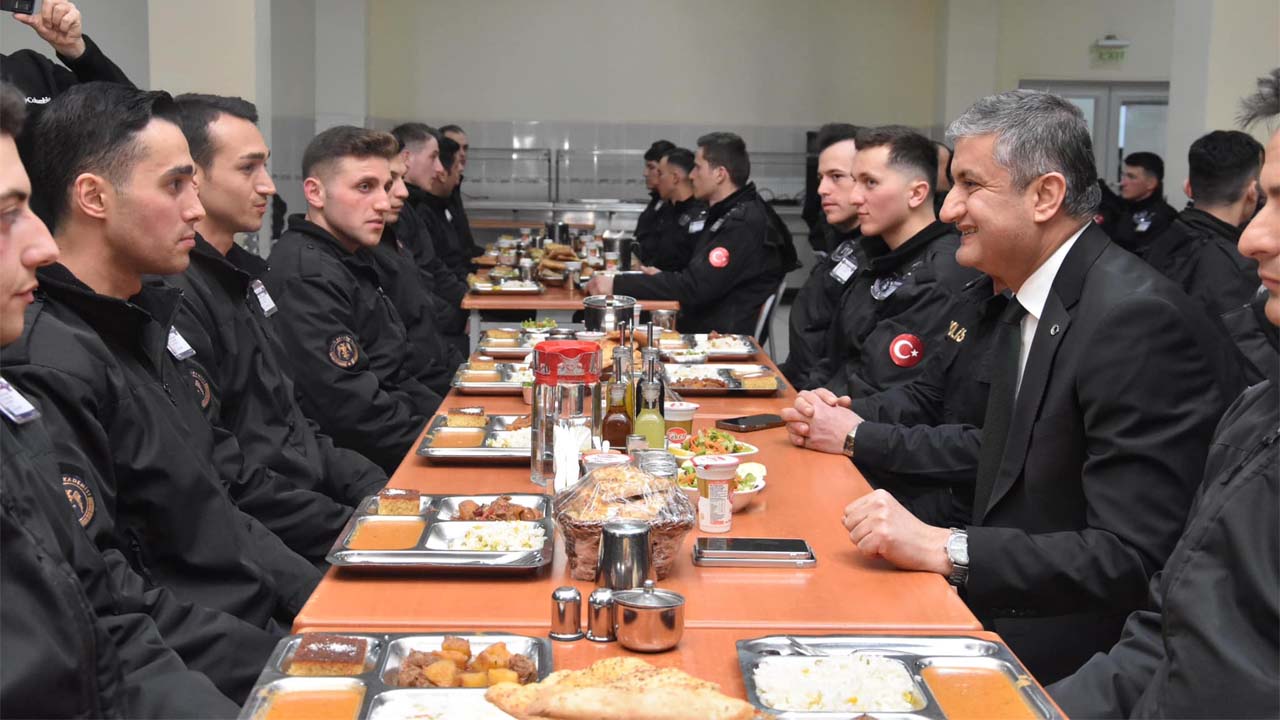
x=359, y=259
x=236, y=267
x=881, y=260
x=744, y=194
x=155, y=302
x=1034, y=292
x=1206, y=223
x=420, y=195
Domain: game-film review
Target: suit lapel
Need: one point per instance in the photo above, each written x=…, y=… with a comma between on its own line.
x=1050, y=331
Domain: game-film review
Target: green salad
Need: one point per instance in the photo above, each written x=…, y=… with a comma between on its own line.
x=544, y=324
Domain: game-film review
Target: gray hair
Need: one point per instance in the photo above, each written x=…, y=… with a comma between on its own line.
x=1264, y=104
x=1037, y=133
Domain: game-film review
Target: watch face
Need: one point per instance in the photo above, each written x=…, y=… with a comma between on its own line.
x=958, y=549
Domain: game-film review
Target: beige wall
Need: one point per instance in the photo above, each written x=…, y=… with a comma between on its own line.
x=1051, y=39
x=204, y=46
x=737, y=62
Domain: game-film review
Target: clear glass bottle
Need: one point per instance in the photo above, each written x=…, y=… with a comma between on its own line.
x=566, y=409
x=652, y=372
x=617, y=421
x=649, y=422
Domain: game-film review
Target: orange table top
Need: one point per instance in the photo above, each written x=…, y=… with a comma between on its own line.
x=803, y=498
x=554, y=298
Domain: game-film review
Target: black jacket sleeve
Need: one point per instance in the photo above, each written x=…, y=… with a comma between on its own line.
x=91, y=66
x=701, y=283
x=352, y=476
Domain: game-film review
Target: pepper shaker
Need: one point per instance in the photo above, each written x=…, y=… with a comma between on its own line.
x=566, y=614
x=600, y=615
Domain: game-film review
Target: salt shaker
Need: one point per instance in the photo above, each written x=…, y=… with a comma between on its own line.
x=600, y=615
x=566, y=614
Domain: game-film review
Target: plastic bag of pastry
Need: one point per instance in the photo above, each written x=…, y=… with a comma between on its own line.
x=622, y=491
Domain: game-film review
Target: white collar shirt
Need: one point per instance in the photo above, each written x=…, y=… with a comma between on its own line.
x=1034, y=293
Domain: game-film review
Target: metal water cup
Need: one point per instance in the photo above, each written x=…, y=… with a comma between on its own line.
x=665, y=319
x=625, y=561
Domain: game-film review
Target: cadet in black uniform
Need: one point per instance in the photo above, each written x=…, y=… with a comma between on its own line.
x=943, y=184
x=346, y=346
x=815, y=305
x=1145, y=215
x=436, y=359
x=83, y=636
x=1198, y=251
x=458, y=213
x=738, y=261
x=649, y=216
x=138, y=459
x=429, y=193
x=894, y=313
x=1208, y=642
x=227, y=312
x=669, y=243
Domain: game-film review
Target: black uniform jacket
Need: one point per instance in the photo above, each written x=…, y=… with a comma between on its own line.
x=669, y=245
x=227, y=317
x=1198, y=252
x=345, y=345
x=920, y=440
x=1139, y=223
x=462, y=225
x=1207, y=643
x=76, y=643
x=41, y=79
x=446, y=289
x=649, y=216
x=893, y=315
x=815, y=306
x=1125, y=381
x=435, y=214
x=436, y=360
x=737, y=263
x=1255, y=336
x=138, y=458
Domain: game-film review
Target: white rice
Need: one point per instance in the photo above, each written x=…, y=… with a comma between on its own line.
x=420, y=706
x=864, y=682
x=521, y=438
x=501, y=536
x=684, y=373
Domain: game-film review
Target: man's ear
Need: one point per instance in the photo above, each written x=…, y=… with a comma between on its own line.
x=92, y=195
x=1186, y=189
x=1049, y=192
x=918, y=193
x=313, y=191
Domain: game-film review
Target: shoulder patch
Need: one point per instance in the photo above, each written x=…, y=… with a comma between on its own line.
x=906, y=350
x=202, y=388
x=80, y=497
x=718, y=257
x=343, y=351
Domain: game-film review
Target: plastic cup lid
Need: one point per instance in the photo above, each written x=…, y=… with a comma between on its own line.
x=680, y=410
x=716, y=466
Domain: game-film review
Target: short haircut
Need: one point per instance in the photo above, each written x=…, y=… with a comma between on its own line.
x=446, y=129
x=345, y=141
x=1263, y=104
x=13, y=110
x=951, y=154
x=449, y=149
x=90, y=128
x=657, y=150
x=727, y=150
x=908, y=150
x=1222, y=166
x=412, y=135
x=833, y=133
x=681, y=158
x=1148, y=161
x=200, y=111
x=1037, y=133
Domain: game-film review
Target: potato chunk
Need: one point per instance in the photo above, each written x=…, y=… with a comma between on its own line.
x=494, y=656
x=457, y=644
x=474, y=679
x=501, y=675
x=442, y=673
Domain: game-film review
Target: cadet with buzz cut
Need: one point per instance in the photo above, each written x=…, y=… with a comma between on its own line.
x=669, y=244
x=347, y=348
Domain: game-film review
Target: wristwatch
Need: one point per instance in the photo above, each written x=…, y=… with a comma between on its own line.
x=848, y=442
x=958, y=554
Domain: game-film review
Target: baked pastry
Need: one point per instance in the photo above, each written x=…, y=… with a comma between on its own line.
x=759, y=381
x=482, y=362
x=325, y=654
x=469, y=417
x=503, y=333
x=398, y=501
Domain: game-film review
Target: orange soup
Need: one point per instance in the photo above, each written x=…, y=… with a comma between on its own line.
x=479, y=376
x=387, y=535
x=966, y=692
x=314, y=705
x=470, y=438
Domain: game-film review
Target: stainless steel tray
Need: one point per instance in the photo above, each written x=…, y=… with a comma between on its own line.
x=495, y=425
x=504, y=386
x=726, y=373
x=746, y=352
x=916, y=652
x=431, y=553
x=385, y=653
x=518, y=347
x=497, y=289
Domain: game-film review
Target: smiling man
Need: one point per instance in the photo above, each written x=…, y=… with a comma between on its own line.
x=892, y=314
x=346, y=346
x=1106, y=385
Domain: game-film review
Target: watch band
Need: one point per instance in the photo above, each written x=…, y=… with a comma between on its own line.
x=958, y=554
x=849, y=441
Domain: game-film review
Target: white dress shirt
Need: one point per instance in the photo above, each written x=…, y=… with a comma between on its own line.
x=1033, y=295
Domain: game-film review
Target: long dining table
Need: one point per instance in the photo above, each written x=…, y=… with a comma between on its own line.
x=844, y=593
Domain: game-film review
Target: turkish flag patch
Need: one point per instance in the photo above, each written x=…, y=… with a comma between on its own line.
x=906, y=350
x=719, y=257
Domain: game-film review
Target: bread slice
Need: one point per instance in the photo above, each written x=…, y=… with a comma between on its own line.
x=466, y=417
x=399, y=501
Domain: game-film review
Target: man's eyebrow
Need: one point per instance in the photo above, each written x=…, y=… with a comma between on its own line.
x=254, y=156
x=180, y=170
x=18, y=195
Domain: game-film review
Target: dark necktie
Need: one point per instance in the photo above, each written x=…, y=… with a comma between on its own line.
x=1004, y=383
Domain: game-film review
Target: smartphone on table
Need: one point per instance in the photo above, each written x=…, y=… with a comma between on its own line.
x=751, y=423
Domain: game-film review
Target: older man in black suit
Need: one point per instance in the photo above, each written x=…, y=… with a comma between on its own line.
x=1107, y=383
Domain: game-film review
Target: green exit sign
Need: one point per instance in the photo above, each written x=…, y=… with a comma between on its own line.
x=1108, y=55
